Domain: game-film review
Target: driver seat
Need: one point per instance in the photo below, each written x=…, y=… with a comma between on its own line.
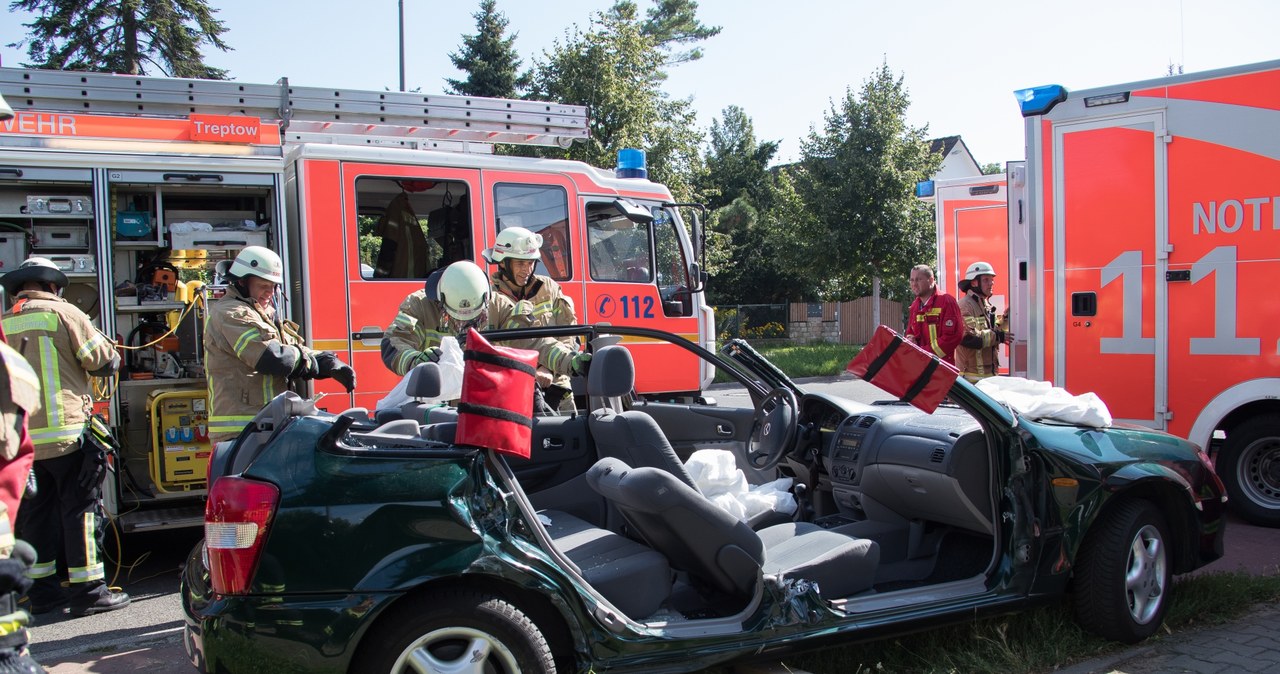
x=628, y=435
x=722, y=553
x=634, y=437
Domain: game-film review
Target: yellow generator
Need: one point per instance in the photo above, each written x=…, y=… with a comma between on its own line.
x=179, y=439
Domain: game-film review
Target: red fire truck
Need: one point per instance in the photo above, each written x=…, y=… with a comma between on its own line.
x=1150, y=251
x=137, y=186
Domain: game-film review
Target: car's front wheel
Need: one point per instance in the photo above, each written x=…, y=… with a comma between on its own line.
x=1122, y=574
x=455, y=631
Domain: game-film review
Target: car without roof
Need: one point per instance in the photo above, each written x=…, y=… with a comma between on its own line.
x=337, y=544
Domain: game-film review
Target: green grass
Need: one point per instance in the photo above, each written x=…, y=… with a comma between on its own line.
x=806, y=360
x=1039, y=640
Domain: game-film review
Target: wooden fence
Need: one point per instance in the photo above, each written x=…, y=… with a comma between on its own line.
x=844, y=322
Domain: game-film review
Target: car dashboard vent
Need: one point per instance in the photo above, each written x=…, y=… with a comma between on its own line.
x=866, y=422
x=938, y=456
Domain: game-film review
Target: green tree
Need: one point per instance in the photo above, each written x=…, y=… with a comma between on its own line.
x=135, y=37
x=992, y=168
x=616, y=70
x=671, y=24
x=857, y=178
x=488, y=58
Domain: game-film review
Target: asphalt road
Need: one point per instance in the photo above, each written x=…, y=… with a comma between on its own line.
x=146, y=636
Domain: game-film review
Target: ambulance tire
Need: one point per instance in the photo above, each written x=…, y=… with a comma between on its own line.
x=447, y=629
x=1249, y=465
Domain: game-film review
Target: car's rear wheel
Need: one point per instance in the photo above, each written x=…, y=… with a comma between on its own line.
x=1122, y=575
x=1249, y=465
x=455, y=631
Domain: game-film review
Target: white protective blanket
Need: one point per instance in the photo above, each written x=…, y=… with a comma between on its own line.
x=450, y=378
x=717, y=474
x=1042, y=400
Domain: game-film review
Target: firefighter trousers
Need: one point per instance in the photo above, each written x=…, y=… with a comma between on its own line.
x=63, y=523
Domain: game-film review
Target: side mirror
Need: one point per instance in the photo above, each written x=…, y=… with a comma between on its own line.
x=633, y=211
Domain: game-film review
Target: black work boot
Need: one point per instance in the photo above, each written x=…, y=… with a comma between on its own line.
x=98, y=598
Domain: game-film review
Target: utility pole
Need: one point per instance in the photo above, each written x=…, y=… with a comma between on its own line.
x=401, y=45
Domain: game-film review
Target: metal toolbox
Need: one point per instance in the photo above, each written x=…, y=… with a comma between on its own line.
x=219, y=239
x=13, y=249
x=60, y=236
x=76, y=263
x=60, y=204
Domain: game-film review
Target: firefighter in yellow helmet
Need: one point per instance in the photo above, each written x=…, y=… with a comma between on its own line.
x=978, y=353
x=251, y=354
x=62, y=520
x=516, y=253
x=458, y=298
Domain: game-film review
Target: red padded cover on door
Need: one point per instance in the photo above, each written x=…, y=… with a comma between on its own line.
x=496, y=407
x=904, y=369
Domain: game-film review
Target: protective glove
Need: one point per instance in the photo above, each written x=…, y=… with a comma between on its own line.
x=308, y=367
x=580, y=361
x=13, y=570
x=343, y=374
x=93, y=466
x=431, y=355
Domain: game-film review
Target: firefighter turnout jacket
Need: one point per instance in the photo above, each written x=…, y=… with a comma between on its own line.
x=65, y=349
x=978, y=353
x=422, y=323
x=937, y=325
x=550, y=306
x=19, y=401
x=250, y=358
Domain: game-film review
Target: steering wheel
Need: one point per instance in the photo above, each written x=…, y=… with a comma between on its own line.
x=773, y=429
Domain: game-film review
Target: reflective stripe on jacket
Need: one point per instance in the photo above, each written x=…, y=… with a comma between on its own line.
x=979, y=320
x=236, y=334
x=61, y=344
x=937, y=325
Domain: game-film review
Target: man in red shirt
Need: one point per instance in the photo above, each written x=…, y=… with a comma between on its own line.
x=935, y=324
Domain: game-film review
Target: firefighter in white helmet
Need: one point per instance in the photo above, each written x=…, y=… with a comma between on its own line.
x=455, y=299
x=251, y=354
x=62, y=521
x=516, y=253
x=978, y=353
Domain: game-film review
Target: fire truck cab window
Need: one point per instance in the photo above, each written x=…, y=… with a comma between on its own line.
x=619, y=249
x=673, y=274
x=543, y=209
x=411, y=227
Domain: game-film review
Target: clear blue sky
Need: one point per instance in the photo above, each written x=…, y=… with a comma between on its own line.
x=782, y=62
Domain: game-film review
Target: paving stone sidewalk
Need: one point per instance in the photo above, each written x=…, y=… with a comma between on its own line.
x=1248, y=644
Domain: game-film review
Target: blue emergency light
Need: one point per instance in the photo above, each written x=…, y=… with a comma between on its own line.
x=631, y=164
x=924, y=189
x=1040, y=100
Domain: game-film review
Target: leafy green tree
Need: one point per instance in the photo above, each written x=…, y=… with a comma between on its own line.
x=616, y=69
x=857, y=178
x=488, y=58
x=135, y=37
x=671, y=24
x=992, y=168
x=737, y=165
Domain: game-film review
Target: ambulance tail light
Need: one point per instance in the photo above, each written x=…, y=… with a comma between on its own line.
x=236, y=519
x=1040, y=100
x=631, y=164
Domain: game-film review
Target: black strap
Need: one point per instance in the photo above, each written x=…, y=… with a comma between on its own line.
x=495, y=413
x=500, y=361
x=921, y=381
x=883, y=358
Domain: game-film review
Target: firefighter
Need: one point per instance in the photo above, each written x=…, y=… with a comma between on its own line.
x=19, y=400
x=458, y=298
x=516, y=252
x=62, y=519
x=978, y=353
x=251, y=354
x=934, y=323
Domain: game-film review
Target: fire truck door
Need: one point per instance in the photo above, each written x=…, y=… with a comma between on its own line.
x=1108, y=213
x=980, y=233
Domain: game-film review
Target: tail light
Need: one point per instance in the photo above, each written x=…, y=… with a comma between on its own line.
x=236, y=519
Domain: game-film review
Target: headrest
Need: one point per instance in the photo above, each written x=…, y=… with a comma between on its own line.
x=612, y=373
x=424, y=381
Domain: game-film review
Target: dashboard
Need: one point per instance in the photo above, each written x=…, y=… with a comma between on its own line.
x=896, y=461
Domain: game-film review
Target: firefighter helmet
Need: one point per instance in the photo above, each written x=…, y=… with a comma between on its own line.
x=464, y=290
x=516, y=243
x=260, y=262
x=39, y=269
x=978, y=269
